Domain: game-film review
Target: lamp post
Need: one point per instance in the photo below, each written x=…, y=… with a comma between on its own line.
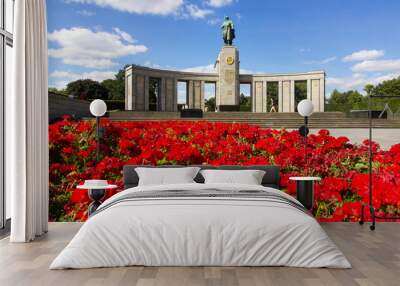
x=305, y=185
x=305, y=108
x=98, y=108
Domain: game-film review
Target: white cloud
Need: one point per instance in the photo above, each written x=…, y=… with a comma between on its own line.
x=321, y=62
x=213, y=22
x=364, y=55
x=382, y=78
x=247, y=71
x=345, y=83
x=210, y=69
x=357, y=81
x=86, y=13
x=152, y=65
x=219, y=3
x=124, y=35
x=377, y=66
x=196, y=12
x=60, y=79
x=201, y=69
x=305, y=50
x=157, y=7
x=179, y=8
x=91, y=49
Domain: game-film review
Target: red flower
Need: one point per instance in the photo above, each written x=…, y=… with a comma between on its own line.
x=79, y=196
x=341, y=165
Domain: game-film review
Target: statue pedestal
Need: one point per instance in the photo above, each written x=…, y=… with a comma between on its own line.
x=228, y=71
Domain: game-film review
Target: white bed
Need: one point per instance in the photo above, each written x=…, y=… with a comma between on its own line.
x=201, y=231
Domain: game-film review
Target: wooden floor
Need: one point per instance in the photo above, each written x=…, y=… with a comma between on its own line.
x=375, y=257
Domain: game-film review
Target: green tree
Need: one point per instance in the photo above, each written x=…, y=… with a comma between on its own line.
x=300, y=92
x=87, y=89
x=245, y=102
x=210, y=104
x=116, y=86
x=346, y=101
x=369, y=88
x=388, y=88
x=57, y=91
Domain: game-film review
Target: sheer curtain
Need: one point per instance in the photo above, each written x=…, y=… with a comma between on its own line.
x=26, y=124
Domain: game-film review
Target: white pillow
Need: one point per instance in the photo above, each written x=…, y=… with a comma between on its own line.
x=166, y=176
x=248, y=177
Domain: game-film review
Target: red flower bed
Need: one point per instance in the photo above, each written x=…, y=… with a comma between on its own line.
x=342, y=166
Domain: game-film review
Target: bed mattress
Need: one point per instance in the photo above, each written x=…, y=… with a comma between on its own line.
x=201, y=225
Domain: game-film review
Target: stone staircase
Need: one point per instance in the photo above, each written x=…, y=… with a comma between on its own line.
x=272, y=120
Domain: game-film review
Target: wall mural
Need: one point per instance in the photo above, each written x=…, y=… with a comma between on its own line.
x=343, y=166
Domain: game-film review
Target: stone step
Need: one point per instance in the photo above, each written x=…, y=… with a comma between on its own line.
x=280, y=115
x=294, y=120
x=275, y=120
x=289, y=124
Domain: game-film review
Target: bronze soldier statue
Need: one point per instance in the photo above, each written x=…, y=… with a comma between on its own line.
x=228, y=31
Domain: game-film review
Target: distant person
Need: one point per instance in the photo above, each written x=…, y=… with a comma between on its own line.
x=272, y=106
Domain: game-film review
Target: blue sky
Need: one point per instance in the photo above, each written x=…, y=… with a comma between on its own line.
x=354, y=41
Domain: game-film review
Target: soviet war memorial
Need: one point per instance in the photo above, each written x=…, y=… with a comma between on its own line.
x=199, y=142
x=227, y=80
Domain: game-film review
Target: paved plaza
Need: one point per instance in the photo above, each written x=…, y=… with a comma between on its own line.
x=386, y=137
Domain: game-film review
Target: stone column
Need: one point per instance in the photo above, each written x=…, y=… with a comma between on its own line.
x=146, y=93
x=197, y=94
x=134, y=92
x=309, y=89
x=228, y=72
x=258, y=96
x=217, y=96
x=175, y=95
x=190, y=94
x=163, y=94
x=286, y=88
x=264, y=95
x=128, y=91
x=315, y=94
x=322, y=95
x=280, y=96
x=253, y=96
x=202, y=92
x=139, y=88
x=169, y=94
x=292, y=96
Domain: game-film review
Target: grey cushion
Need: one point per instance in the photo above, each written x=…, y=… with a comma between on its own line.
x=270, y=179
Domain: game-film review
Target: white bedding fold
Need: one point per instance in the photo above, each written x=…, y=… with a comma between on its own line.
x=200, y=231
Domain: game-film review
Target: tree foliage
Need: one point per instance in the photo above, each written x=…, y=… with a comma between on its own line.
x=387, y=88
x=87, y=89
x=353, y=100
x=116, y=86
x=346, y=101
x=245, y=102
x=210, y=104
x=300, y=92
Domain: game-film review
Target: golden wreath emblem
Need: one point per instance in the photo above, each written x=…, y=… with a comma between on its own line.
x=230, y=60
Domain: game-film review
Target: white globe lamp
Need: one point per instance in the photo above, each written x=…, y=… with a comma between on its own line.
x=98, y=108
x=305, y=108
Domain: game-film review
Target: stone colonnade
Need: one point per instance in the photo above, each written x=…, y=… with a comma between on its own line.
x=138, y=78
x=286, y=90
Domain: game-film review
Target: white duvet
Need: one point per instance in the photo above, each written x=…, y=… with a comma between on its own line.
x=202, y=232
